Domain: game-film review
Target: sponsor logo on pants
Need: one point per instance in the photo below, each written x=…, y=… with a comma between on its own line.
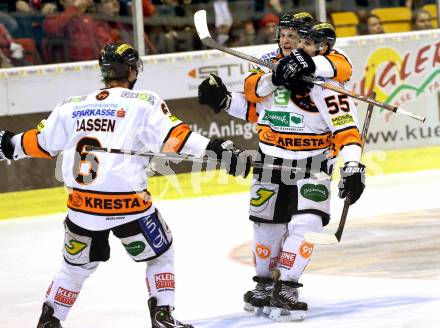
x=306, y=249
x=65, y=297
x=287, y=259
x=273, y=262
x=262, y=251
x=164, y=281
x=49, y=289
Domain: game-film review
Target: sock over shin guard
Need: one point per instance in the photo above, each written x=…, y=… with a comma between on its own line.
x=296, y=252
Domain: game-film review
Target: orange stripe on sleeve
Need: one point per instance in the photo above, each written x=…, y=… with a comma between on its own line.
x=250, y=87
x=176, y=138
x=29, y=143
x=252, y=115
x=345, y=137
x=343, y=66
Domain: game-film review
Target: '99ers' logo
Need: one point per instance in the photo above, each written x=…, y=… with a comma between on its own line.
x=262, y=251
x=306, y=249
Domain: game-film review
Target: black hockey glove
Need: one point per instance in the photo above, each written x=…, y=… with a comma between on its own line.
x=233, y=160
x=6, y=148
x=213, y=92
x=352, y=181
x=293, y=67
x=299, y=87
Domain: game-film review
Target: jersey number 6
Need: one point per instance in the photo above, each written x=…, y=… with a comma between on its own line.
x=85, y=164
x=334, y=104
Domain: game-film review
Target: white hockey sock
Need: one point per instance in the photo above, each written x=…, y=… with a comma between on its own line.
x=160, y=278
x=66, y=285
x=266, y=246
x=296, y=252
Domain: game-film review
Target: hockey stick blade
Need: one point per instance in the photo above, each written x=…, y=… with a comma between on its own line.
x=201, y=24
x=202, y=30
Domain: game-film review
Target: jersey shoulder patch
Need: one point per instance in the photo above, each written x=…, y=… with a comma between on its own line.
x=144, y=96
x=75, y=99
x=270, y=55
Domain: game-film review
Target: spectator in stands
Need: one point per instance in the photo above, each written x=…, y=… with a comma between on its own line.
x=421, y=20
x=8, y=21
x=106, y=11
x=36, y=6
x=266, y=31
x=223, y=20
x=72, y=34
x=370, y=24
x=120, y=32
x=12, y=50
x=276, y=6
x=243, y=35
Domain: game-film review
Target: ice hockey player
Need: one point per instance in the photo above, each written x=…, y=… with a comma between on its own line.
x=304, y=129
x=103, y=198
x=334, y=64
x=259, y=84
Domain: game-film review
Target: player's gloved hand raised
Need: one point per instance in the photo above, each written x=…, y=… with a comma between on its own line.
x=293, y=67
x=6, y=148
x=235, y=161
x=213, y=92
x=352, y=181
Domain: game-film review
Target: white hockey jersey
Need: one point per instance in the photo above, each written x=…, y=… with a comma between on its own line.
x=293, y=127
x=107, y=190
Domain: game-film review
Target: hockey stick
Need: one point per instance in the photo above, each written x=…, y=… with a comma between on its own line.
x=204, y=35
x=189, y=158
x=325, y=239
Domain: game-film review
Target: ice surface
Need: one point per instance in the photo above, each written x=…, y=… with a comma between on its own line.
x=385, y=272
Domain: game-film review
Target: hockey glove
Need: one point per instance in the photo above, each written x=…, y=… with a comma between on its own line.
x=235, y=161
x=299, y=87
x=6, y=148
x=293, y=67
x=213, y=92
x=352, y=181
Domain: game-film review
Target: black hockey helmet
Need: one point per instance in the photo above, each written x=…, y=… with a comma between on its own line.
x=320, y=33
x=115, y=60
x=294, y=20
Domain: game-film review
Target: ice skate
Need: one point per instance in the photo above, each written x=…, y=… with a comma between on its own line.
x=255, y=300
x=284, y=302
x=161, y=316
x=47, y=320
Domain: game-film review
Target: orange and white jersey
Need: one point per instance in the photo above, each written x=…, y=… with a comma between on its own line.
x=336, y=65
x=293, y=127
x=107, y=190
